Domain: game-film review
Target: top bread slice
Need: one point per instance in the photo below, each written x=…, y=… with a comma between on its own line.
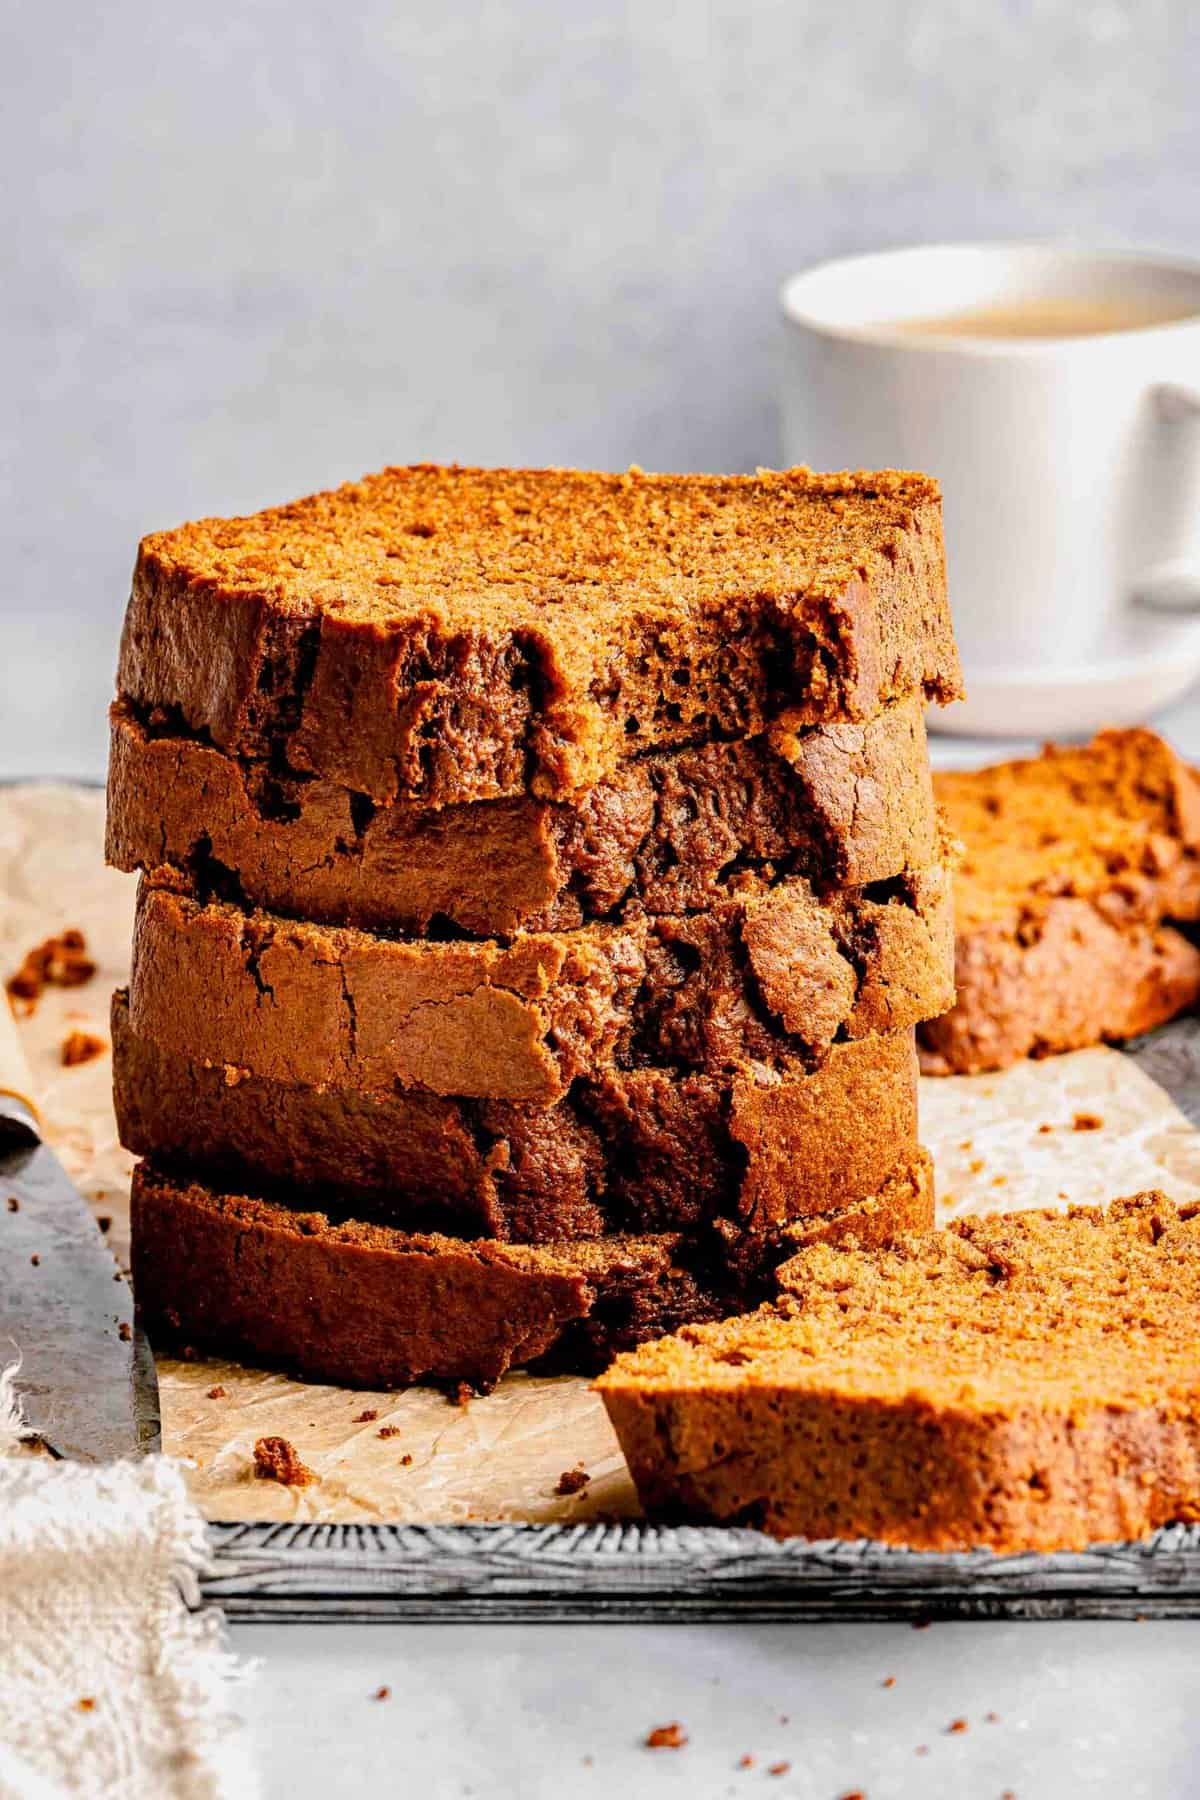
x=1073, y=859
x=1022, y=1381
x=450, y=634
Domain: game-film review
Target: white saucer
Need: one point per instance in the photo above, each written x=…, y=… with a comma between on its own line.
x=1122, y=688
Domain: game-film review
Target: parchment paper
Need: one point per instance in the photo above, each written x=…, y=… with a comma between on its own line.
x=499, y=1457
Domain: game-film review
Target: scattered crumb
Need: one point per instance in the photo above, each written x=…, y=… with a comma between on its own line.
x=86, y=1704
x=35, y=1259
x=461, y=1393
x=779, y=1768
x=667, y=1737
x=125, y=1331
x=189, y=1353
x=388, y=1431
x=382, y=1693
x=999, y=1180
x=967, y=1144
x=1043, y=1129
x=889, y=1681
x=921, y=1624
x=956, y=1727
x=275, y=1459
x=572, y=1481
x=1087, y=1121
x=588, y=1761
x=104, y=1222
x=975, y=1167
x=81, y=1047
x=922, y=1750
x=783, y=1719
x=57, y=962
x=365, y=1418
x=216, y=1393
x=854, y=1794
x=14, y=1205
x=992, y=1718
x=745, y=1762
x=406, y=1461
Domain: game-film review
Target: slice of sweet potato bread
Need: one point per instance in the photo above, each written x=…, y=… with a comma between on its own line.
x=1073, y=861
x=1021, y=1381
x=462, y=634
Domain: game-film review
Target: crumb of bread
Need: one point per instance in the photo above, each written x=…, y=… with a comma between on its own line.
x=275, y=1459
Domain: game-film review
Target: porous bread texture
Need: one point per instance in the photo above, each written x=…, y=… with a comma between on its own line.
x=672, y=831
x=1018, y=1381
x=626, y=1150
x=368, y=1306
x=1073, y=861
x=458, y=634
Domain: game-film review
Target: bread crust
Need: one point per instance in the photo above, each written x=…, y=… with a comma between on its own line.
x=637, y=1150
x=369, y=1306
x=454, y=635
x=669, y=832
x=768, y=977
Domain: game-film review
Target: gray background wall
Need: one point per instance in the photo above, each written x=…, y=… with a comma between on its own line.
x=254, y=249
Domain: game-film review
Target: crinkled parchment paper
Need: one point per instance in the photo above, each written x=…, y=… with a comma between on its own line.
x=500, y=1457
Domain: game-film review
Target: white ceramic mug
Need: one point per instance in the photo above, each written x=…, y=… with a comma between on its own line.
x=1070, y=466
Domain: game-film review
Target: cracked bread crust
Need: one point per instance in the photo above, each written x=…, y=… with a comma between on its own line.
x=1073, y=861
x=456, y=634
x=768, y=977
x=368, y=1306
x=635, y=1151
x=1025, y=1381
x=667, y=832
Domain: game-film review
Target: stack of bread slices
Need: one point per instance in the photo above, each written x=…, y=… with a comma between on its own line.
x=541, y=884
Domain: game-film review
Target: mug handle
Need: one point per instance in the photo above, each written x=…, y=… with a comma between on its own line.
x=1174, y=586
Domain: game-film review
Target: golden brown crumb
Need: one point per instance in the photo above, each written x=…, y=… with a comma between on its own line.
x=388, y=1431
x=745, y=1762
x=461, y=1393
x=275, y=1459
x=779, y=1768
x=57, y=962
x=365, y=1418
x=666, y=1737
x=124, y=1331
x=974, y=1168
x=889, y=1681
x=382, y=1693
x=572, y=1481
x=1087, y=1121
x=14, y=1205
x=854, y=1794
x=35, y=1259
x=1042, y=1129
x=955, y=1727
x=81, y=1047
x=216, y=1393
x=406, y=1461
x=86, y=1704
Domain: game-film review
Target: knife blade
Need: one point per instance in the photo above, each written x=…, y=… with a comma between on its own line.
x=1171, y=1057
x=85, y=1380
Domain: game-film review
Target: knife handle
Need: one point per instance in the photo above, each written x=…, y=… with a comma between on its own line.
x=15, y=1078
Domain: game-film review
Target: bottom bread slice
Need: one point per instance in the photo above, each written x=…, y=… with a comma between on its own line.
x=1021, y=1381
x=368, y=1306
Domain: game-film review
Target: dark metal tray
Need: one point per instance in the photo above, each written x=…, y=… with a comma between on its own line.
x=663, y=1574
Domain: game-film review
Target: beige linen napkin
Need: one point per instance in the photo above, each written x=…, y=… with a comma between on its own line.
x=112, y=1679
